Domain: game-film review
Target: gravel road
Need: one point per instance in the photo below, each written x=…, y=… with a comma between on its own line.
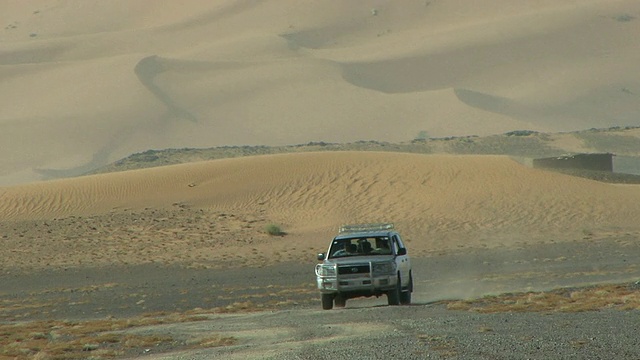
x=78, y=293
x=294, y=327
x=415, y=332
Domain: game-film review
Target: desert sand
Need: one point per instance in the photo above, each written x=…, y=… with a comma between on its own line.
x=84, y=83
x=215, y=212
x=148, y=263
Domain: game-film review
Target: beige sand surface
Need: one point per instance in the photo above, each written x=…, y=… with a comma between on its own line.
x=84, y=82
x=88, y=234
x=200, y=213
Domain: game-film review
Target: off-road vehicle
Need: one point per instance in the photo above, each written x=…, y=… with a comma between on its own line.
x=365, y=260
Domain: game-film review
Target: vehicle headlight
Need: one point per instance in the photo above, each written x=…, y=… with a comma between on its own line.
x=325, y=270
x=384, y=268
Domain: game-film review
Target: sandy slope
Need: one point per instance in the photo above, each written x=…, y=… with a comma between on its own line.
x=438, y=202
x=83, y=83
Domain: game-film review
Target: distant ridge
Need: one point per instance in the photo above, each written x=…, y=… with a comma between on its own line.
x=521, y=144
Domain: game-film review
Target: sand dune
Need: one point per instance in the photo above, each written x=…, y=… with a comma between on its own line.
x=439, y=202
x=84, y=83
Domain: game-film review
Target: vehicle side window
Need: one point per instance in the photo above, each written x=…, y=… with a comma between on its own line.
x=396, y=245
x=399, y=241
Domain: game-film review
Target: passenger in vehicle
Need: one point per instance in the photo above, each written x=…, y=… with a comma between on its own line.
x=351, y=249
x=366, y=247
x=382, y=246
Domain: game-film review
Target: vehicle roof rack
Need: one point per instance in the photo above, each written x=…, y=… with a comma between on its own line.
x=353, y=228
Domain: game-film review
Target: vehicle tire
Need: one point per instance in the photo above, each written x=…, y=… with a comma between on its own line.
x=393, y=296
x=327, y=301
x=340, y=301
x=405, y=296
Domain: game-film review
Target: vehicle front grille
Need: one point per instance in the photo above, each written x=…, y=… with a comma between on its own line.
x=353, y=269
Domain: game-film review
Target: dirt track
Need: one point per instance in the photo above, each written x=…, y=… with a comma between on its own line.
x=415, y=332
x=78, y=293
x=293, y=326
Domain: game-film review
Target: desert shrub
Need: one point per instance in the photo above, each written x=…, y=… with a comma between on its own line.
x=521, y=133
x=530, y=146
x=422, y=135
x=274, y=229
x=624, y=18
x=147, y=156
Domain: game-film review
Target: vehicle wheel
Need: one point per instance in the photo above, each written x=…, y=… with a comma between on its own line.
x=327, y=301
x=405, y=296
x=340, y=301
x=393, y=296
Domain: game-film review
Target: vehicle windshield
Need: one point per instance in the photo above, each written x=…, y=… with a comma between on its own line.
x=360, y=246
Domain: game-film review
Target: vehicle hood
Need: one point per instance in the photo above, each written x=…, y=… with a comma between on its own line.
x=360, y=259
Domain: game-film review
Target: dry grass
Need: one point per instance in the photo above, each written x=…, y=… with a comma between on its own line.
x=619, y=297
x=107, y=338
x=98, y=339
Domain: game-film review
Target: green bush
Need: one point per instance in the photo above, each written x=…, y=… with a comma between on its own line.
x=273, y=229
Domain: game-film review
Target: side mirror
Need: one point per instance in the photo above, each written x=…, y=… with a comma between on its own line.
x=321, y=256
x=402, y=251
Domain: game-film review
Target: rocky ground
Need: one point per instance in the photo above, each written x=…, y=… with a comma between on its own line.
x=426, y=331
x=274, y=313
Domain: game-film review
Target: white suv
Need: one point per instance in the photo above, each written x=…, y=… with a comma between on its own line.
x=365, y=260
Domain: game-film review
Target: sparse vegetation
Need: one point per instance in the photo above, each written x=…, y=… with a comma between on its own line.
x=521, y=133
x=527, y=143
x=147, y=156
x=274, y=230
x=116, y=337
x=613, y=143
x=624, y=18
x=58, y=339
x=422, y=136
x=530, y=145
x=619, y=297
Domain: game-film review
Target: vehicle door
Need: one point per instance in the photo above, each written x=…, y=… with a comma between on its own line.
x=402, y=261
